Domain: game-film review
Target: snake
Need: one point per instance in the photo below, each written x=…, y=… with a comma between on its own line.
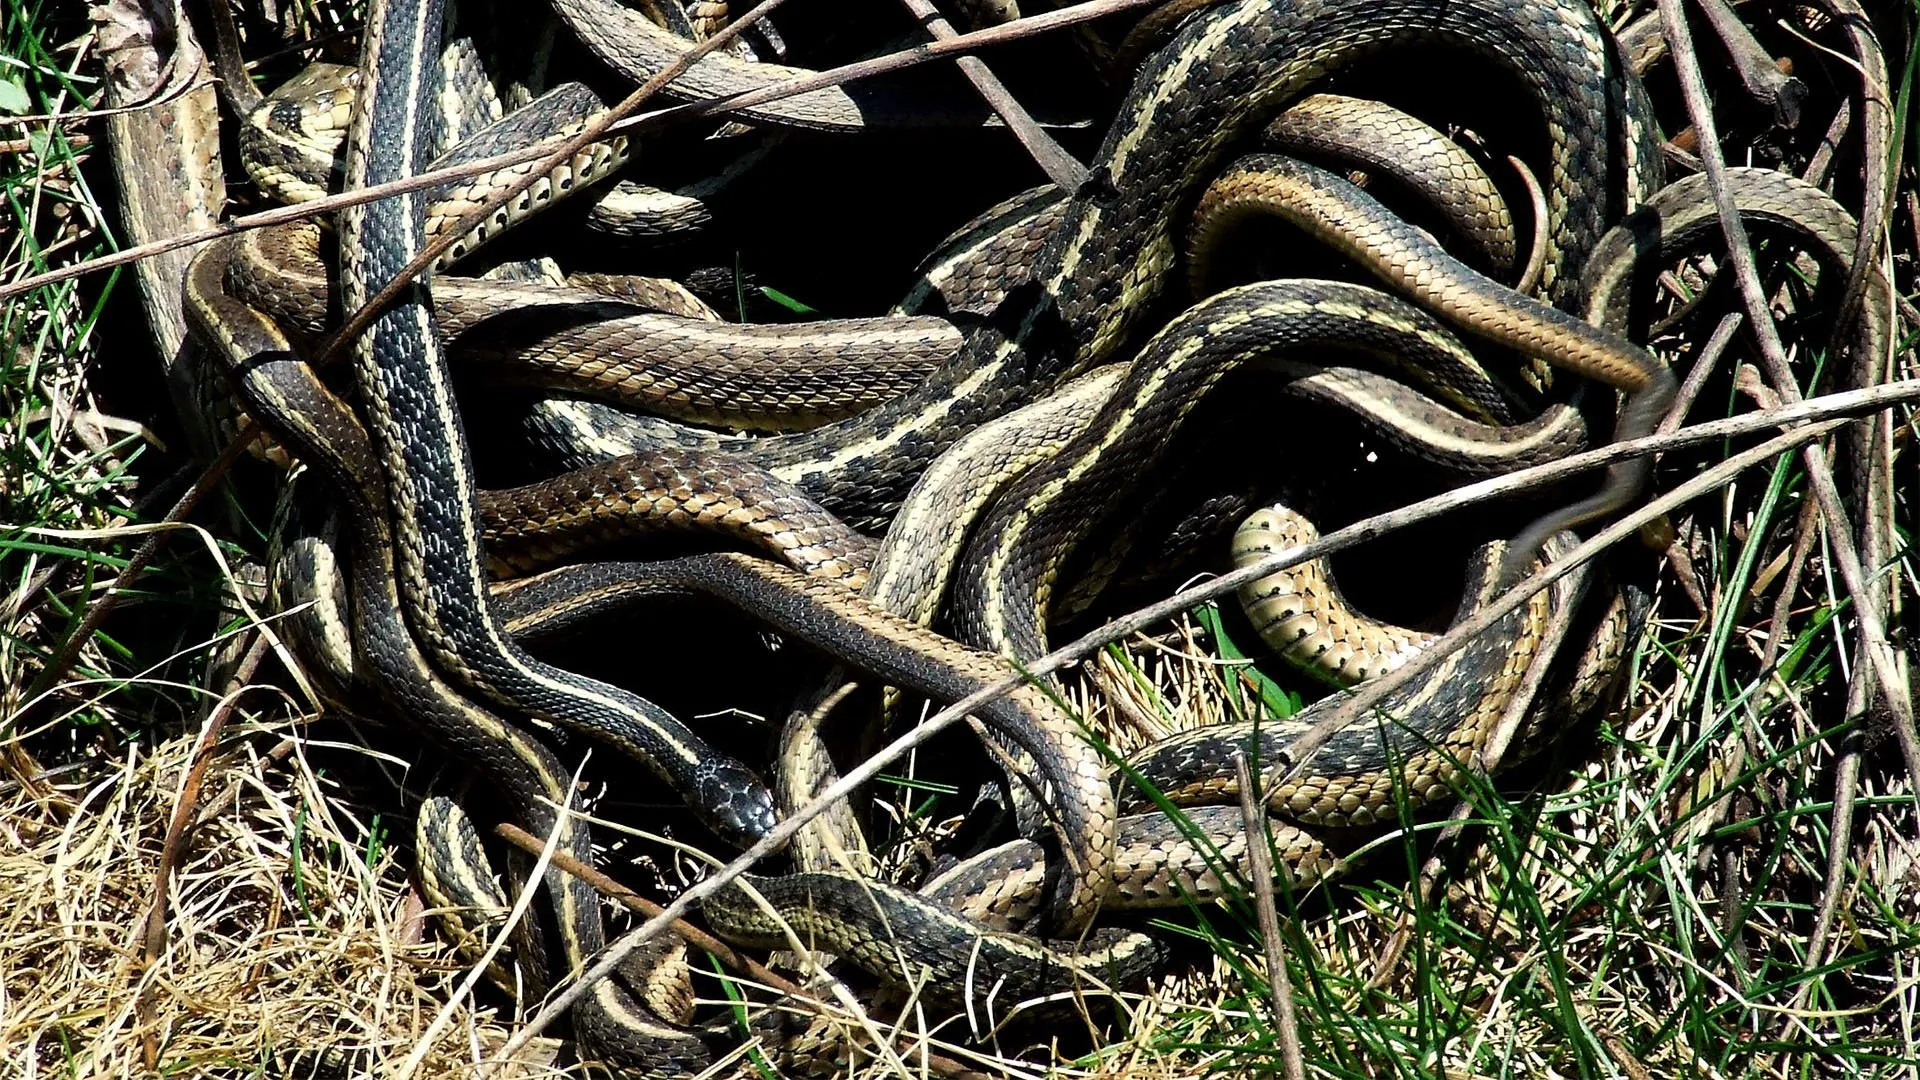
x=1357, y=226
x=1101, y=269
x=1081, y=306
x=291, y=399
x=1102, y=265
x=640, y=725
x=166, y=161
x=286, y=396
x=642, y=342
x=1437, y=724
x=290, y=142
x=1011, y=565
x=402, y=384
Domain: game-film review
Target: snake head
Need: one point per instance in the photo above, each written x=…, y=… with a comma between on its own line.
x=736, y=804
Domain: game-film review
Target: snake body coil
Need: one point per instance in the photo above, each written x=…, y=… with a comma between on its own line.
x=402, y=380
x=1119, y=235
x=1109, y=250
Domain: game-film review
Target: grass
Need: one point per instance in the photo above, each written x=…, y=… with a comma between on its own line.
x=1634, y=900
x=59, y=468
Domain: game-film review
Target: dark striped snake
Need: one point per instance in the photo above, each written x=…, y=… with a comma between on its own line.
x=442, y=648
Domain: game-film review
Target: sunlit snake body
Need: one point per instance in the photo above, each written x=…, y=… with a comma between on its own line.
x=1222, y=78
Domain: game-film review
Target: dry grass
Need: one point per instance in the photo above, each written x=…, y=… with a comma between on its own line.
x=293, y=944
x=1634, y=902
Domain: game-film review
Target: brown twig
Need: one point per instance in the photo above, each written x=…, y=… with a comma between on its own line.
x=1822, y=158
x=152, y=933
x=1805, y=530
x=1763, y=80
x=1060, y=166
x=1683, y=399
x=613, y=890
x=74, y=139
x=1880, y=154
x=1253, y=817
x=1833, y=883
x=1701, y=371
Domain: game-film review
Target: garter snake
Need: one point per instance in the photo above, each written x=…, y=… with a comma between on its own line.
x=643, y=342
x=1383, y=141
x=1294, y=612
x=1008, y=575
x=300, y=411
x=403, y=387
x=1428, y=744
x=1330, y=208
x=1670, y=223
x=1092, y=283
x=1367, y=772
x=959, y=920
x=1225, y=75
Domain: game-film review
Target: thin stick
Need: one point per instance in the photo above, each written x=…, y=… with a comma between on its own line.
x=1762, y=78
x=612, y=889
x=1701, y=371
x=1683, y=399
x=1118, y=628
x=1805, y=531
x=1833, y=884
x=1253, y=818
x=1060, y=166
x=919, y=54
x=1880, y=153
x=77, y=140
x=152, y=934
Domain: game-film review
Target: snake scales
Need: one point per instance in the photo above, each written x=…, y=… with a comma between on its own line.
x=442, y=649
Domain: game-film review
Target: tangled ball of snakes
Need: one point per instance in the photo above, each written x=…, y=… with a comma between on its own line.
x=921, y=499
